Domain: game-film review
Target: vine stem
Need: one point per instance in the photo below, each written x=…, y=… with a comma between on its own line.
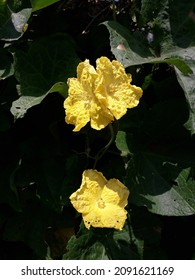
x=105, y=148
x=98, y=14
x=114, y=10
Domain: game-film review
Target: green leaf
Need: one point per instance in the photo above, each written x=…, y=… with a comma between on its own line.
x=159, y=127
x=21, y=105
x=146, y=228
x=180, y=65
x=85, y=247
x=121, y=143
x=44, y=69
x=12, y=23
x=48, y=61
x=162, y=124
x=133, y=49
x=128, y=49
x=170, y=22
x=175, y=21
x=161, y=184
x=162, y=149
x=187, y=83
x=125, y=245
x=103, y=244
x=53, y=180
x=60, y=87
x=40, y=4
x=150, y=9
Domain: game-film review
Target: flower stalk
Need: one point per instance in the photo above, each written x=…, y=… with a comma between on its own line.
x=100, y=154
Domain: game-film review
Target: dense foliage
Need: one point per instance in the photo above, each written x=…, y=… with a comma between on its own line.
x=153, y=149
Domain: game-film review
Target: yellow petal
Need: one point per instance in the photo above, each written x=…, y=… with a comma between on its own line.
x=85, y=68
x=115, y=193
x=81, y=104
x=122, y=97
x=77, y=115
x=89, y=192
x=113, y=88
x=112, y=216
x=83, y=203
x=100, y=116
x=112, y=71
x=77, y=105
x=92, y=175
x=86, y=76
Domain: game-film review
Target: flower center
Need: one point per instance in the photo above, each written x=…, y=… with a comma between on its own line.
x=101, y=203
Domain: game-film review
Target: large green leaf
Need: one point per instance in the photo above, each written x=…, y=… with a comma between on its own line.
x=133, y=49
x=42, y=70
x=128, y=48
x=48, y=61
x=85, y=247
x=157, y=128
x=161, y=184
x=40, y=4
x=162, y=154
x=21, y=105
x=13, y=18
x=146, y=228
x=104, y=244
x=79, y=249
x=125, y=245
x=139, y=238
x=172, y=32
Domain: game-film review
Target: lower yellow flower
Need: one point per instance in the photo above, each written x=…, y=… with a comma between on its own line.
x=101, y=202
x=99, y=95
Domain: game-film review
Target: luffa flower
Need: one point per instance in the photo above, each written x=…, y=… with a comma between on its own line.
x=99, y=96
x=101, y=202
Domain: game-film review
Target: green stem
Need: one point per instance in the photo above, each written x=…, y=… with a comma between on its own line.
x=114, y=10
x=98, y=14
x=105, y=148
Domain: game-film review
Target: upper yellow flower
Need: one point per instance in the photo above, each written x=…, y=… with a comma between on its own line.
x=99, y=96
x=101, y=202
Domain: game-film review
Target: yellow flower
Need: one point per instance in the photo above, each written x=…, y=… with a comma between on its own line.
x=101, y=202
x=99, y=96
